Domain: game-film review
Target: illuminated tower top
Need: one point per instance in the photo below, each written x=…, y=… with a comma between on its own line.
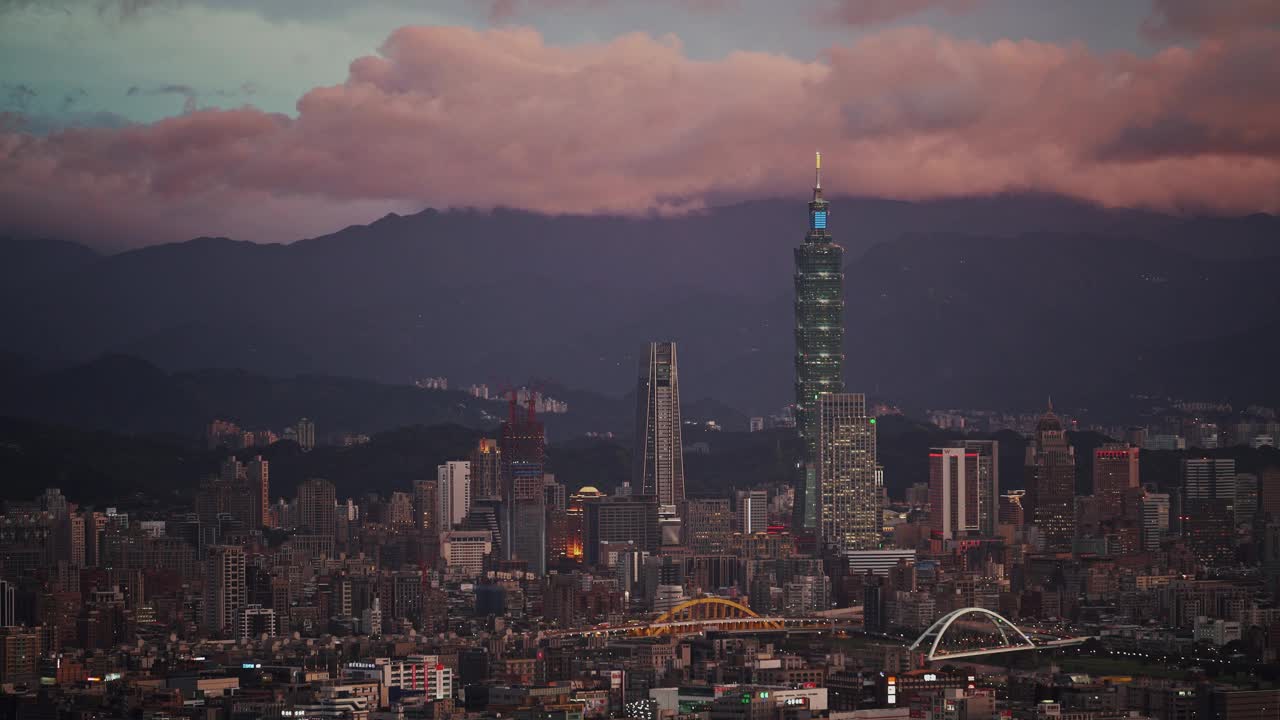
x=818, y=206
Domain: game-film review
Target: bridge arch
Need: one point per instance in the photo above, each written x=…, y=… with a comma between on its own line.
x=1010, y=633
x=706, y=608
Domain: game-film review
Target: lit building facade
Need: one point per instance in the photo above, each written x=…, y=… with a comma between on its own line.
x=849, y=498
x=964, y=488
x=453, y=481
x=1050, y=475
x=819, y=333
x=224, y=590
x=522, y=444
x=659, y=449
x=317, y=507
x=1115, y=473
x=465, y=550
x=953, y=492
x=486, y=469
x=1208, y=509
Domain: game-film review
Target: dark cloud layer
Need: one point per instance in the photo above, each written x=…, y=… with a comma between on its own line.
x=1180, y=19
x=189, y=95
x=874, y=12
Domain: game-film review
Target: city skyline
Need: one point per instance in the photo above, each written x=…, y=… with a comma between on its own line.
x=417, y=470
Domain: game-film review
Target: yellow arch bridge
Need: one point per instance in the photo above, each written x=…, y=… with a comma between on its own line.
x=708, y=613
x=702, y=615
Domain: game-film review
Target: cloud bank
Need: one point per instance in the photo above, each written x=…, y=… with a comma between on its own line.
x=447, y=116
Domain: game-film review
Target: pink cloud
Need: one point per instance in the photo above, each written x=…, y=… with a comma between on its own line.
x=458, y=117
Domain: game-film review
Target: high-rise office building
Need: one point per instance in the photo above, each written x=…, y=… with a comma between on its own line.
x=1246, y=503
x=849, y=499
x=819, y=359
x=231, y=470
x=1155, y=520
x=1208, y=478
x=487, y=514
x=1208, y=509
x=1115, y=473
x=8, y=604
x=618, y=519
x=1269, y=494
x=486, y=470
x=257, y=472
x=1270, y=546
x=707, y=526
x=306, y=430
x=426, y=504
x=399, y=510
x=553, y=493
x=453, y=480
x=224, y=590
x=752, y=512
x=317, y=503
x=466, y=550
x=1051, y=484
x=953, y=492
x=659, y=450
x=522, y=444
x=988, y=482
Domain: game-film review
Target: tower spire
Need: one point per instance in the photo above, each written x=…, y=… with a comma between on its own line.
x=817, y=170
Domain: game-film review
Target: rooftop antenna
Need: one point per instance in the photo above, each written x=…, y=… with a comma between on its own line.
x=817, y=169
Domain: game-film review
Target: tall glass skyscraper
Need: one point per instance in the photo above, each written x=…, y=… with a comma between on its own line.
x=659, y=452
x=819, y=279
x=1050, y=475
x=522, y=448
x=848, y=491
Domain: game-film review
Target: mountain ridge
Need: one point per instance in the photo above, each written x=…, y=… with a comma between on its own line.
x=482, y=296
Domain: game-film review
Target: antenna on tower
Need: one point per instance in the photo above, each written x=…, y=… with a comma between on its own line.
x=817, y=169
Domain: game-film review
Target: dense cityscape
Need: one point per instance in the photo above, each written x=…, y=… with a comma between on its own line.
x=493, y=590
x=639, y=360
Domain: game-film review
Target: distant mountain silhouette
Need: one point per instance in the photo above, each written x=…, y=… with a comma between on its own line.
x=129, y=395
x=26, y=263
x=992, y=301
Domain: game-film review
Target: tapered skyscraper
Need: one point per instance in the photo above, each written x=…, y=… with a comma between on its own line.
x=819, y=279
x=659, y=455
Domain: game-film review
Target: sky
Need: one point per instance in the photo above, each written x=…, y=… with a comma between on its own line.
x=130, y=122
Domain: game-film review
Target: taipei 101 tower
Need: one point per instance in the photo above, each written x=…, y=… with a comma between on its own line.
x=819, y=279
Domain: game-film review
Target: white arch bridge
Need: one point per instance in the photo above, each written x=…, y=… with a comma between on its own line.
x=1012, y=638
